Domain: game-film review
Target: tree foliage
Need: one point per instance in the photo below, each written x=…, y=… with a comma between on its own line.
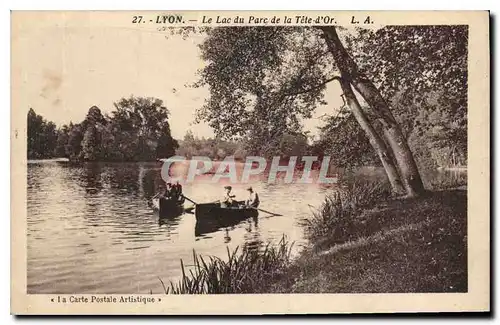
x=215, y=149
x=137, y=130
x=42, y=136
x=345, y=142
x=422, y=70
x=254, y=74
x=264, y=80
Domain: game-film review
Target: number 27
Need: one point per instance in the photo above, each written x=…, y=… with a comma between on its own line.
x=136, y=19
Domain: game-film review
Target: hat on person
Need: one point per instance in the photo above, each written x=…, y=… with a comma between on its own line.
x=228, y=187
x=249, y=188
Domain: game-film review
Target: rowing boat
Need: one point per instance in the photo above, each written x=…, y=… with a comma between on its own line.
x=215, y=211
x=167, y=206
x=211, y=217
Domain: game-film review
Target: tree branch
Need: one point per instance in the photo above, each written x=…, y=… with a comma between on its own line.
x=303, y=91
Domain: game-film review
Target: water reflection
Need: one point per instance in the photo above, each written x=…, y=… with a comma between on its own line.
x=206, y=226
x=88, y=177
x=227, y=238
x=170, y=220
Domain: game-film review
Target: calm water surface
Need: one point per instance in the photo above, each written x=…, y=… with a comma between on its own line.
x=91, y=228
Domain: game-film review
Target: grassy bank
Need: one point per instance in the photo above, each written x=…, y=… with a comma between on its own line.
x=361, y=240
x=414, y=245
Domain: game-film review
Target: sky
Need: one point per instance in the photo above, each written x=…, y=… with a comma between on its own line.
x=64, y=69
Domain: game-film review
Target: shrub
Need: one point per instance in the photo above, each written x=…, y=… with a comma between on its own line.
x=335, y=221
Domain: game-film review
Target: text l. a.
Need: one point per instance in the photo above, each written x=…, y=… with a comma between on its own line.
x=367, y=20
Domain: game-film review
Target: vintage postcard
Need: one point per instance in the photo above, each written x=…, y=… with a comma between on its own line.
x=269, y=162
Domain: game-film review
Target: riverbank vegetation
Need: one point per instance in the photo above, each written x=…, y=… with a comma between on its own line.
x=242, y=272
x=361, y=240
x=411, y=245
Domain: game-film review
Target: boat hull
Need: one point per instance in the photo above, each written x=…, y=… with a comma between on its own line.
x=214, y=212
x=211, y=217
x=168, y=207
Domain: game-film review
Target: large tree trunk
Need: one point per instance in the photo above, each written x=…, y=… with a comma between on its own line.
x=392, y=132
x=395, y=138
x=375, y=140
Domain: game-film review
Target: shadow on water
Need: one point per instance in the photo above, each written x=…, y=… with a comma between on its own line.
x=206, y=226
x=169, y=221
x=170, y=218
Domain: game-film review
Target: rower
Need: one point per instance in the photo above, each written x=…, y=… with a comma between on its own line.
x=227, y=200
x=168, y=191
x=253, y=198
x=174, y=194
x=178, y=190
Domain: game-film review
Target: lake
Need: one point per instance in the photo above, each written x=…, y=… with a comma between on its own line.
x=91, y=229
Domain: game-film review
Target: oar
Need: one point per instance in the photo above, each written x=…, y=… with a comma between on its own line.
x=274, y=214
x=189, y=200
x=195, y=202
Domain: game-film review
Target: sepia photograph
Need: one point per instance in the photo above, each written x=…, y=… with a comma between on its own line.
x=164, y=154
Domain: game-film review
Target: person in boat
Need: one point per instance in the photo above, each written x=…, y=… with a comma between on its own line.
x=228, y=199
x=174, y=192
x=177, y=190
x=253, y=198
x=167, y=193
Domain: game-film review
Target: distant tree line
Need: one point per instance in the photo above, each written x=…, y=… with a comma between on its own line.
x=215, y=149
x=285, y=146
x=137, y=130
